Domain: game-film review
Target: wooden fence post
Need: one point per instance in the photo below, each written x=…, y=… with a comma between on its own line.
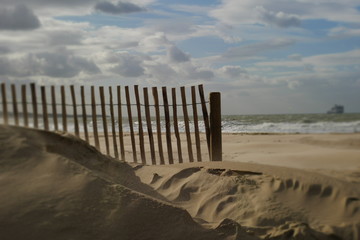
x=141, y=132
x=205, y=115
x=63, y=109
x=54, y=110
x=94, y=118
x=84, y=117
x=158, y=126
x=149, y=127
x=4, y=102
x=121, y=134
x=15, y=107
x=132, y=136
x=76, y=122
x=186, y=122
x=24, y=105
x=103, y=113
x=196, y=124
x=113, y=130
x=44, y=108
x=176, y=125
x=34, y=103
x=215, y=127
x=167, y=125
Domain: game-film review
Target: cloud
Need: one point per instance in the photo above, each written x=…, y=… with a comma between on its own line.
x=127, y=65
x=64, y=37
x=252, y=50
x=284, y=13
x=344, y=32
x=232, y=71
x=119, y=8
x=19, y=17
x=4, y=50
x=58, y=64
x=279, y=19
x=176, y=55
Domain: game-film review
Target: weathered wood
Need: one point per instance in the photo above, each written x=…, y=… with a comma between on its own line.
x=24, y=105
x=94, y=118
x=54, y=109
x=34, y=105
x=141, y=132
x=128, y=103
x=158, y=126
x=76, y=122
x=116, y=152
x=176, y=125
x=84, y=117
x=15, y=104
x=167, y=126
x=149, y=126
x=121, y=134
x=103, y=113
x=186, y=123
x=63, y=108
x=205, y=115
x=4, y=103
x=196, y=124
x=215, y=127
x=44, y=108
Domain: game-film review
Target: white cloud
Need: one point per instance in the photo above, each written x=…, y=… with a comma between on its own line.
x=344, y=32
x=256, y=49
x=284, y=13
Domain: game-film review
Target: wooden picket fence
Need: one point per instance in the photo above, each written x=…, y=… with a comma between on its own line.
x=211, y=122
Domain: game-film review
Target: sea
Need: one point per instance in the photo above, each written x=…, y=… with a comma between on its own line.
x=267, y=123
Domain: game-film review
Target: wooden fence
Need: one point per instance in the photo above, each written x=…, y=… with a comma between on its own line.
x=113, y=118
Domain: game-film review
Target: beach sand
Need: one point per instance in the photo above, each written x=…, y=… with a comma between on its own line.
x=269, y=186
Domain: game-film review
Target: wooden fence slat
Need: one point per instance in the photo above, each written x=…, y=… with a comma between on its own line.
x=34, y=105
x=15, y=104
x=94, y=118
x=63, y=108
x=205, y=115
x=4, y=103
x=167, y=125
x=141, y=132
x=84, y=117
x=215, y=124
x=76, y=122
x=44, y=108
x=24, y=105
x=186, y=122
x=149, y=126
x=103, y=113
x=54, y=110
x=158, y=126
x=128, y=103
x=116, y=153
x=176, y=125
x=196, y=124
x=121, y=134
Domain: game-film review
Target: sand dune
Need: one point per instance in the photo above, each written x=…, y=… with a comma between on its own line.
x=56, y=186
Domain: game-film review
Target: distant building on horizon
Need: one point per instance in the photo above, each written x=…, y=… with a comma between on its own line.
x=336, y=109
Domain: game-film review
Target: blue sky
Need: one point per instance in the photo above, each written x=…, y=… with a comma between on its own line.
x=277, y=56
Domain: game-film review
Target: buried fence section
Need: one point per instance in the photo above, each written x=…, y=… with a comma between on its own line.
x=158, y=132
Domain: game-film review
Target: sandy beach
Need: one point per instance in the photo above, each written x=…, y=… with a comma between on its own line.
x=269, y=186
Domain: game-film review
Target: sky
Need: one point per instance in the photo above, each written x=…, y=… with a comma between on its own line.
x=265, y=57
